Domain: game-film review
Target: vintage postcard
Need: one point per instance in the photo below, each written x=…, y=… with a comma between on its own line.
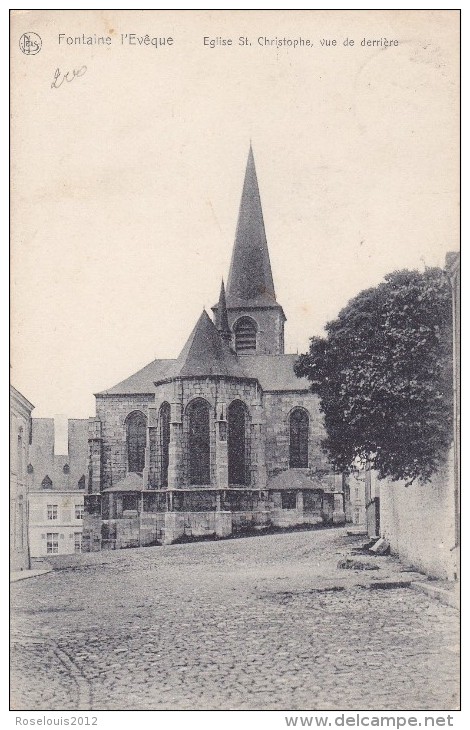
x=235, y=379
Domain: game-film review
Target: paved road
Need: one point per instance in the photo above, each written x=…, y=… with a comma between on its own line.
x=251, y=623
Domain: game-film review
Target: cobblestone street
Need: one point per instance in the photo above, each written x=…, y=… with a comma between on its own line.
x=256, y=623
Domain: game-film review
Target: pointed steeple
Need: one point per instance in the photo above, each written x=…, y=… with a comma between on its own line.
x=250, y=279
x=221, y=321
x=205, y=353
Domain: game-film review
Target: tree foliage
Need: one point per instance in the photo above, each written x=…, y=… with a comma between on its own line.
x=384, y=377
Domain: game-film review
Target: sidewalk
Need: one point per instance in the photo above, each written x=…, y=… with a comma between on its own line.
x=440, y=590
x=17, y=575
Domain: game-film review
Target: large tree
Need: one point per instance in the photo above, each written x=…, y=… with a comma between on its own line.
x=383, y=375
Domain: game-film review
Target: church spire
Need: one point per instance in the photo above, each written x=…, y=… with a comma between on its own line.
x=222, y=316
x=250, y=279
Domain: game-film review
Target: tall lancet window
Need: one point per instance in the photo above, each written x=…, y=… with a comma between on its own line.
x=298, y=446
x=245, y=335
x=136, y=425
x=165, y=411
x=199, y=442
x=238, y=472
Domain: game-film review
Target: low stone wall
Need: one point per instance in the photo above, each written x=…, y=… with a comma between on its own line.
x=419, y=523
x=247, y=520
x=294, y=517
x=195, y=524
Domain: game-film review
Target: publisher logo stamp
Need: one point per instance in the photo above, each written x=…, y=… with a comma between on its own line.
x=30, y=44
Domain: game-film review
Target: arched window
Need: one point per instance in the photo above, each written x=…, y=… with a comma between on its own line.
x=298, y=448
x=245, y=335
x=238, y=472
x=199, y=442
x=136, y=441
x=165, y=411
x=46, y=482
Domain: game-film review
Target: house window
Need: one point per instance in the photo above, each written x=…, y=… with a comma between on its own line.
x=52, y=511
x=79, y=511
x=165, y=412
x=20, y=453
x=52, y=542
x=298, y=446
x=288, y=500
x=136, y=441
x=46, y=482
x=78, y=542
x=245, y=335
x=199, y=442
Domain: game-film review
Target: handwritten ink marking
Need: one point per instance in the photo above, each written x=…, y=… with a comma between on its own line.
x=30, y=44
x=69, y=76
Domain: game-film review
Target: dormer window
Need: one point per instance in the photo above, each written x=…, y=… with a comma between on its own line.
x=245, y=336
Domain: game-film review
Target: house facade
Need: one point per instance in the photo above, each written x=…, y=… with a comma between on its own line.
x=224, y=438
x=57, y=475
x=20, y=433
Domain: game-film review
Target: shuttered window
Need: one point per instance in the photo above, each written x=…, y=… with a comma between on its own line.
x=245, y=336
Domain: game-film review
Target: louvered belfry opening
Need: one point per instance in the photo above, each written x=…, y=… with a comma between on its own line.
x=136, y=441
x=237, y=444
x=199, y=442
x=245, y=336
x=164, y=442
x=298, y=447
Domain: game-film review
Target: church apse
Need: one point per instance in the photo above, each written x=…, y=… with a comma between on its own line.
x=221, y=439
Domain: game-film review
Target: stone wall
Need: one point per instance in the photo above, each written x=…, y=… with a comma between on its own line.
x=215, y=392
x=277, y=408
x=112, y=412
x=419, y=522
x=269, y=325
x=270, y=328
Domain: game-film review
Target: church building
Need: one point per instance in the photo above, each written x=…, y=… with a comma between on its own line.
x=225, y=438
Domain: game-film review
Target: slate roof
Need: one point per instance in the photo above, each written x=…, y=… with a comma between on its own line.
x=250, y=279
x=274, y=372
x=133, y=482
x=293, y=479
x=205, y=353
x=142, y=381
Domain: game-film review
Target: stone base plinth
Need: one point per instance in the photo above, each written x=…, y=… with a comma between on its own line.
x=173, y=527
x=223, y=524
x=339, y=517
x=91, y=535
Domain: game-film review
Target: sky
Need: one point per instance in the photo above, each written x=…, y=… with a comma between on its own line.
x=126, y=180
